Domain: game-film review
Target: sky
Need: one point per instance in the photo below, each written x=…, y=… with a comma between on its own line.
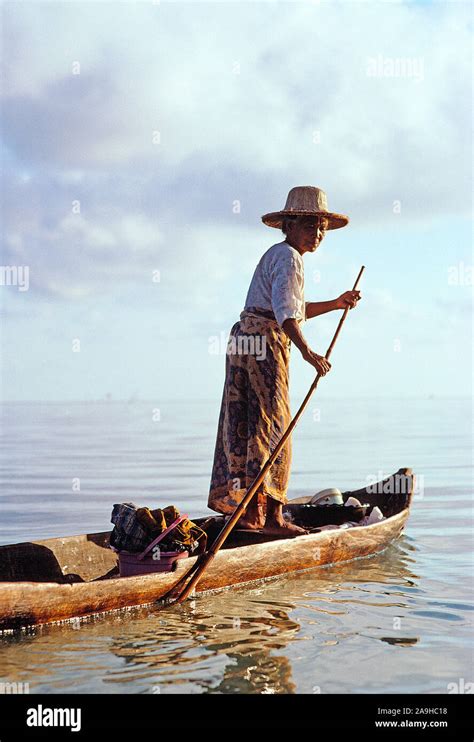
x=141, y=143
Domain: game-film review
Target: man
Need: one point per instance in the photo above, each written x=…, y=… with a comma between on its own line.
x=255, y=409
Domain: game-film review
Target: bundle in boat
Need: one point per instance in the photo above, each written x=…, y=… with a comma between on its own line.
x=327, y=507
x=63, y=578
x=149, y=541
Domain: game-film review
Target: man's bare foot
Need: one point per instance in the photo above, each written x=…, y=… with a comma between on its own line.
x=253, y=518
x=276, y=525
x=243, y=525
x=283, y=529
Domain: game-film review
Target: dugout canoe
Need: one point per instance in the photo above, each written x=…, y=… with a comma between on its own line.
x=65, y=578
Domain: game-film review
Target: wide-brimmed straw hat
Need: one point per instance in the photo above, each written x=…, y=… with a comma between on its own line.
x=306, y=201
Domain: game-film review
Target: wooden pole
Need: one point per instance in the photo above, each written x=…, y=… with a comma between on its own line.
x=205, y=559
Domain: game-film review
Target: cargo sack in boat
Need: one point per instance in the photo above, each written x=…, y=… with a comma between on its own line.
x=137, y=530
x=128, y=533
x=185, y=535
x=153, y=559
x=170, y=541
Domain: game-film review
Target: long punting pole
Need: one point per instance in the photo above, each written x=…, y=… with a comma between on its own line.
x=201, y=564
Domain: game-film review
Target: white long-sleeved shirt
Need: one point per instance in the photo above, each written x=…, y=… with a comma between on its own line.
x=278, y=283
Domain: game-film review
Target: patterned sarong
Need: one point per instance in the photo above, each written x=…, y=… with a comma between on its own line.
x=254, y=414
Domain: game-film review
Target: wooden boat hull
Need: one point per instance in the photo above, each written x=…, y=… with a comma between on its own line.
x=26, y=603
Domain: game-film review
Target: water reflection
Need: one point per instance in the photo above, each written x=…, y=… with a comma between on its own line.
x=242, y=632
x=379, y=625
x=347, y=628
x=246, y=628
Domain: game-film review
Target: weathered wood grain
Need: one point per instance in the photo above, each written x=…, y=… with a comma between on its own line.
x=56, y=579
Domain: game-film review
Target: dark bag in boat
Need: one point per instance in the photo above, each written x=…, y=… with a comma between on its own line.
x=152, y=558
x=185, y=535
x=150, y=541
x=128, y=533
x=323, y=515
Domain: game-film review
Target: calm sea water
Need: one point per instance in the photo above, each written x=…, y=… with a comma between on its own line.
x=397, y=622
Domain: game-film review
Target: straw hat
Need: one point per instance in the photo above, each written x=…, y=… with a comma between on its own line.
x=306, y=201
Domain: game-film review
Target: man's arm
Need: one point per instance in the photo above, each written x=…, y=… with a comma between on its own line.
x=292, y=329
x=347, y=299
x=315, y=308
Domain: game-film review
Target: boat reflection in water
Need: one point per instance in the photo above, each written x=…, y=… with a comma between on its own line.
x=233, y=641
x=242, y=640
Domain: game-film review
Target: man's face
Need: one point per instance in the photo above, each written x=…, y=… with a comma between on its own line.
x=308, y=232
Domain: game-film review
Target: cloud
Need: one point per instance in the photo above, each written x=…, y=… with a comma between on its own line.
x=187, y=121
x=74, y=255
x=228, y=101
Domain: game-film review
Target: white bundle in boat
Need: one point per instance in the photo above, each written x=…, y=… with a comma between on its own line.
x=331, y=496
